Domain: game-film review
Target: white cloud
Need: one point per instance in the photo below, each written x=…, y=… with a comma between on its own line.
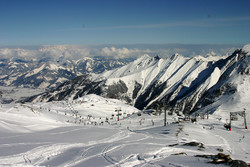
x=18, y=53
x=123, y=52
x=71, y=52
x=65, y=51
x=53, y=52
x=75, y=52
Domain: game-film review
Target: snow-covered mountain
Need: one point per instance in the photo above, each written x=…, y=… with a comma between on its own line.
x=178, y=83
x=90, y=131
x=49, y=65
x=44, y=73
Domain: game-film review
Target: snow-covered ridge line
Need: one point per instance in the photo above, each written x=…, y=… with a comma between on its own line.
x=184, y=84
x=246, y=49
x=72, y=61
x=35, y=74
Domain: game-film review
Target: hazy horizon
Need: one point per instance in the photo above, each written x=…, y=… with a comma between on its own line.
x=115, y=51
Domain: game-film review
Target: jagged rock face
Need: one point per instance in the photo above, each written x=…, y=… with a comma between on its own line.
x=178, y=83
x=116, y=90
x=72, y=89
x=196, y=97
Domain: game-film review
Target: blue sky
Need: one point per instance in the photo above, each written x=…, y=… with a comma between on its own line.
x=40, y=22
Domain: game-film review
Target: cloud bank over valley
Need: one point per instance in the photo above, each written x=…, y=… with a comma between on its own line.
x=76, y=52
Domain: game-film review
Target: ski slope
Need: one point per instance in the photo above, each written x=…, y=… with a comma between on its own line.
x=71, y=133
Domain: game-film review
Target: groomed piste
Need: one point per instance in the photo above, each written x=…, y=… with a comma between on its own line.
x=86, y=132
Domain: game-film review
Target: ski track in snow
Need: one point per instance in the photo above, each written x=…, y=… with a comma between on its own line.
x=133, y=141
x=226, y=145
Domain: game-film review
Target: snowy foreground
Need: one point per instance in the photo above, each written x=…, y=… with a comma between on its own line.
x=76, y=133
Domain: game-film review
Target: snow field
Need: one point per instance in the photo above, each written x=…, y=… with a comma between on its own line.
x=40, y=134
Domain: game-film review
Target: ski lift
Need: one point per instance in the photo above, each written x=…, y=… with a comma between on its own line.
x=233, y=117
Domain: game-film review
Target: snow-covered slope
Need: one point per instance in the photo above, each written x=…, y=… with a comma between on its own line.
x=86, y=132
x=81, y=111
x=181, y=84
x=238, y=84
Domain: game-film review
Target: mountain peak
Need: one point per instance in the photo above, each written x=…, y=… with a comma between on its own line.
x=174, y=56
x=144, y=57
x=246, y=49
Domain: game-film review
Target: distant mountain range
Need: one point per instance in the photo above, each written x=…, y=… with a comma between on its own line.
x=178, y=83
x=45, y=73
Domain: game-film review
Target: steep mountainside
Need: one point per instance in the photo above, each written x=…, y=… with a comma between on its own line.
x=181, y=84
x=49, y=73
